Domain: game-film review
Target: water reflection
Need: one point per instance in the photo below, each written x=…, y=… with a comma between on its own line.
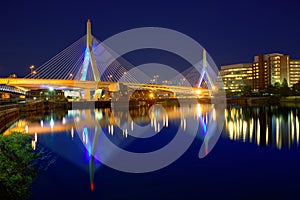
x=266, y=126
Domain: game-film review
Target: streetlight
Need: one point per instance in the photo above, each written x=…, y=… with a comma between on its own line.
x=124, y=74
x=31, y=69
x=110, y=77
x=156, y=78
x=34, y=73
x=71, y=75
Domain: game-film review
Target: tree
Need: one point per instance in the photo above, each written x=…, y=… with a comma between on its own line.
x=16, y=170
x=246, y=91
x=284, y=90
x=296, y=88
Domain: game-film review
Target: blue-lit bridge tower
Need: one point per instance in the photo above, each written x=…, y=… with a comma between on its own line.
x=89, y=58
x=205, y=72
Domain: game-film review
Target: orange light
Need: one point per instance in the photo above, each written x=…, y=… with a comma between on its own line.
x=151, y=95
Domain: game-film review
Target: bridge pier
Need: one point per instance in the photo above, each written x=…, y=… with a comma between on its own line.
x=87, y=94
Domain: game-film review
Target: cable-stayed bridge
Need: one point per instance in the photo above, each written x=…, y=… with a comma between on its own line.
x=88, y=64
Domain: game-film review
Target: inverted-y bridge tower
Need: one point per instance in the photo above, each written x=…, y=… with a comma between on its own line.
x=205, y=72
x=89, y=57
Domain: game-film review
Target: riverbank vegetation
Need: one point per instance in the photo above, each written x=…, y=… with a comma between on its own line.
x=275, y=90
x=16, y=166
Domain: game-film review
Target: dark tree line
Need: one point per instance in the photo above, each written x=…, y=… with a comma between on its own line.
x=276, y=89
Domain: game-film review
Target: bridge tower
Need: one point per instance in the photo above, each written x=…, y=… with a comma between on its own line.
x=205, y=72
x=89, y=57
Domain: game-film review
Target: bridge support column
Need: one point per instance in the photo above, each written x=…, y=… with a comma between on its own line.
x=87, y=94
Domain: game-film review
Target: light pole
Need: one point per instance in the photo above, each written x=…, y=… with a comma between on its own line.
x=31, y=69
x=110, y=77
x=156, y=78
x=124, y=73
x=34, y=73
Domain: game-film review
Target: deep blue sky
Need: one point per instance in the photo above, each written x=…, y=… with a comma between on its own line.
x=231, y=31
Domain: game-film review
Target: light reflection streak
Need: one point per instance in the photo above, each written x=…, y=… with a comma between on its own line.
x=267, y=135
x=292, y=126
x=277, y=132
x=258, y=132
x=297, y=129
x=264, y=126
x=72, y=132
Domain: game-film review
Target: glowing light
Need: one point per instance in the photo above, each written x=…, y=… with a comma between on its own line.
x=72, y=132
x=99, y=115
x=251, y=130
x=50, y=89
x=204, y=127
x=230, y=125
x=267, y=135
x=258, y=132
x=63, y=121
x=167, y=121
x=199, y=110
x=92, y=186
x=51, y=124
x=214, y=115
x=297, y=129
x=293, y=126
x=42, y=123
x=112, y=129
x=26, y=129
x=85, y=131
x=244, y=130
x=33, y=144
x=198, y=91
x=277, y=133
x=151, y=95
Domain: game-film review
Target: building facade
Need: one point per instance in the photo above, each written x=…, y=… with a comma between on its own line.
x=265, y=70
x=236, y=76
x=270, y=69
x=294, y=72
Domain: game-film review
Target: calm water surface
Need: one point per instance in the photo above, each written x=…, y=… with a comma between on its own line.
x=256, y=156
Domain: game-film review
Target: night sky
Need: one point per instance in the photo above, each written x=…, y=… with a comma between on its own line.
x=231, y=31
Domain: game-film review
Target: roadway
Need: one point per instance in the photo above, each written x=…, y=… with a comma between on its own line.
x=31, y=84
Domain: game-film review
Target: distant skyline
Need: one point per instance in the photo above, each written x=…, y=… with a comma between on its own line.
x=232, y=31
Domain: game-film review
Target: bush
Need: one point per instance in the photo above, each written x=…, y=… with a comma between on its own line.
x=16, y=169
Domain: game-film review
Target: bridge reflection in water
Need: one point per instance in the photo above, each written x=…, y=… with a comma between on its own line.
x=266, y=126
x=272, y=126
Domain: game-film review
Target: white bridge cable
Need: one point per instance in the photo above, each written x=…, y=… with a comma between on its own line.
x=118, y=66
x=75, y=68
x=48, y=65
x=72, y=58
x=44, y=71
x=65, y=62
x=62, y=65
x=56, y=63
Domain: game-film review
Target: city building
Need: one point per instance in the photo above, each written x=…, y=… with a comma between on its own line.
x=236, y=76
x=270, y=69
x=266, y=69
x=294, y=71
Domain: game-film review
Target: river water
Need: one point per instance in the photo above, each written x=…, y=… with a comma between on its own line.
x=255, y=156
